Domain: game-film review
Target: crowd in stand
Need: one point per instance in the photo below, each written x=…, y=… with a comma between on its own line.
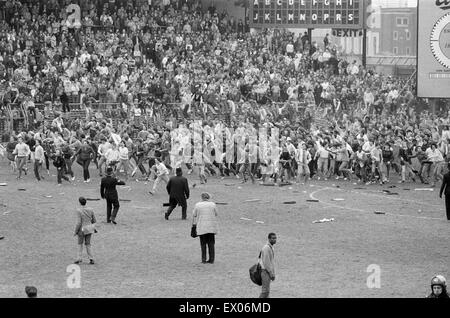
x=174, y=61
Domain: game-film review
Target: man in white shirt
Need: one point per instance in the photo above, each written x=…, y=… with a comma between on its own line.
x=303, y=158
x=22, y=151
x=39, y=159
x=435, y=156
x=322, y=161
x=162, y=174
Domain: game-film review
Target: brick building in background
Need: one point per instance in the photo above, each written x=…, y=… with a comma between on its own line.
x=398, y=32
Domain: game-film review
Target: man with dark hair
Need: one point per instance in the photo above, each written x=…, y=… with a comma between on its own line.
x=178, y=190
x=31, y=291
x=266, y=261
x=108, y=191
x=446, y=186
x=84, y=229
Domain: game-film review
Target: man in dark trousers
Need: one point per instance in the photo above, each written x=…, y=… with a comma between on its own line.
x=108, y=191
x=446, y=186
x=178, y=190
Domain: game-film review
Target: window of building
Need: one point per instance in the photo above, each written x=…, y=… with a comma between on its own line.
x=401, y=22
x=395, y=50
x=395, y=35
x=408, y=34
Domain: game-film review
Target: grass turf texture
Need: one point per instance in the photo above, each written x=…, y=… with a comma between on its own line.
x=147, y=256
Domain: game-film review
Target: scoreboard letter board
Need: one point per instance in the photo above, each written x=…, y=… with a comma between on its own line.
x=316, y=14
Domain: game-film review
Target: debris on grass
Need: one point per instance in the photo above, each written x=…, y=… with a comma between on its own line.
x=312, y=200
x=245, y=219
x=379, y=212
x=323, y=220
x=124, y=200
x=290, y=202
x=221, y=203
x=7, y=212
x=253, y=200
x=338, y=199
x=3, y=184
x=21, y=189
x=47, y=196
x=260, y=222
x=424, y=189
x=90, y=199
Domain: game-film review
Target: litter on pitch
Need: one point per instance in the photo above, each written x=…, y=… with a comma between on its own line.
x=90, y=199
x=290, y=202
x=253, y=200
x=324, y=220
x=6, y=212
x=124, y=200
x=21, y=189
x=3, y=184
x=260, y=222
x=221, y=203
x=312, y=200
x=424, y=189
x=338, y=199
x=379, y=212
x=245, y=219
x=47, y=196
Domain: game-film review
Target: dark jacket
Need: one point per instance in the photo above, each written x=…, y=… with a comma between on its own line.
x=108, y=187
x=178, y=189
x=59, y=162
x=85, y=152
x=445, y=185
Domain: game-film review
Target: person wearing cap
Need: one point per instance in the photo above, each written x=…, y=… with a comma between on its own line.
x=108, y=192
x=178, y=190
x=204, y=217
x=31, y=291
x=84, y=229
x=438, y=287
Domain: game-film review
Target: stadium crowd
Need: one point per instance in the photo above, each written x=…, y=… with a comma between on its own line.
x=160, y=65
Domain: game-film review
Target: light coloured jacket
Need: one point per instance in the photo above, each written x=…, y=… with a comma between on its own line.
x=85, y=216
x=267, y=259
x=205, y=216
